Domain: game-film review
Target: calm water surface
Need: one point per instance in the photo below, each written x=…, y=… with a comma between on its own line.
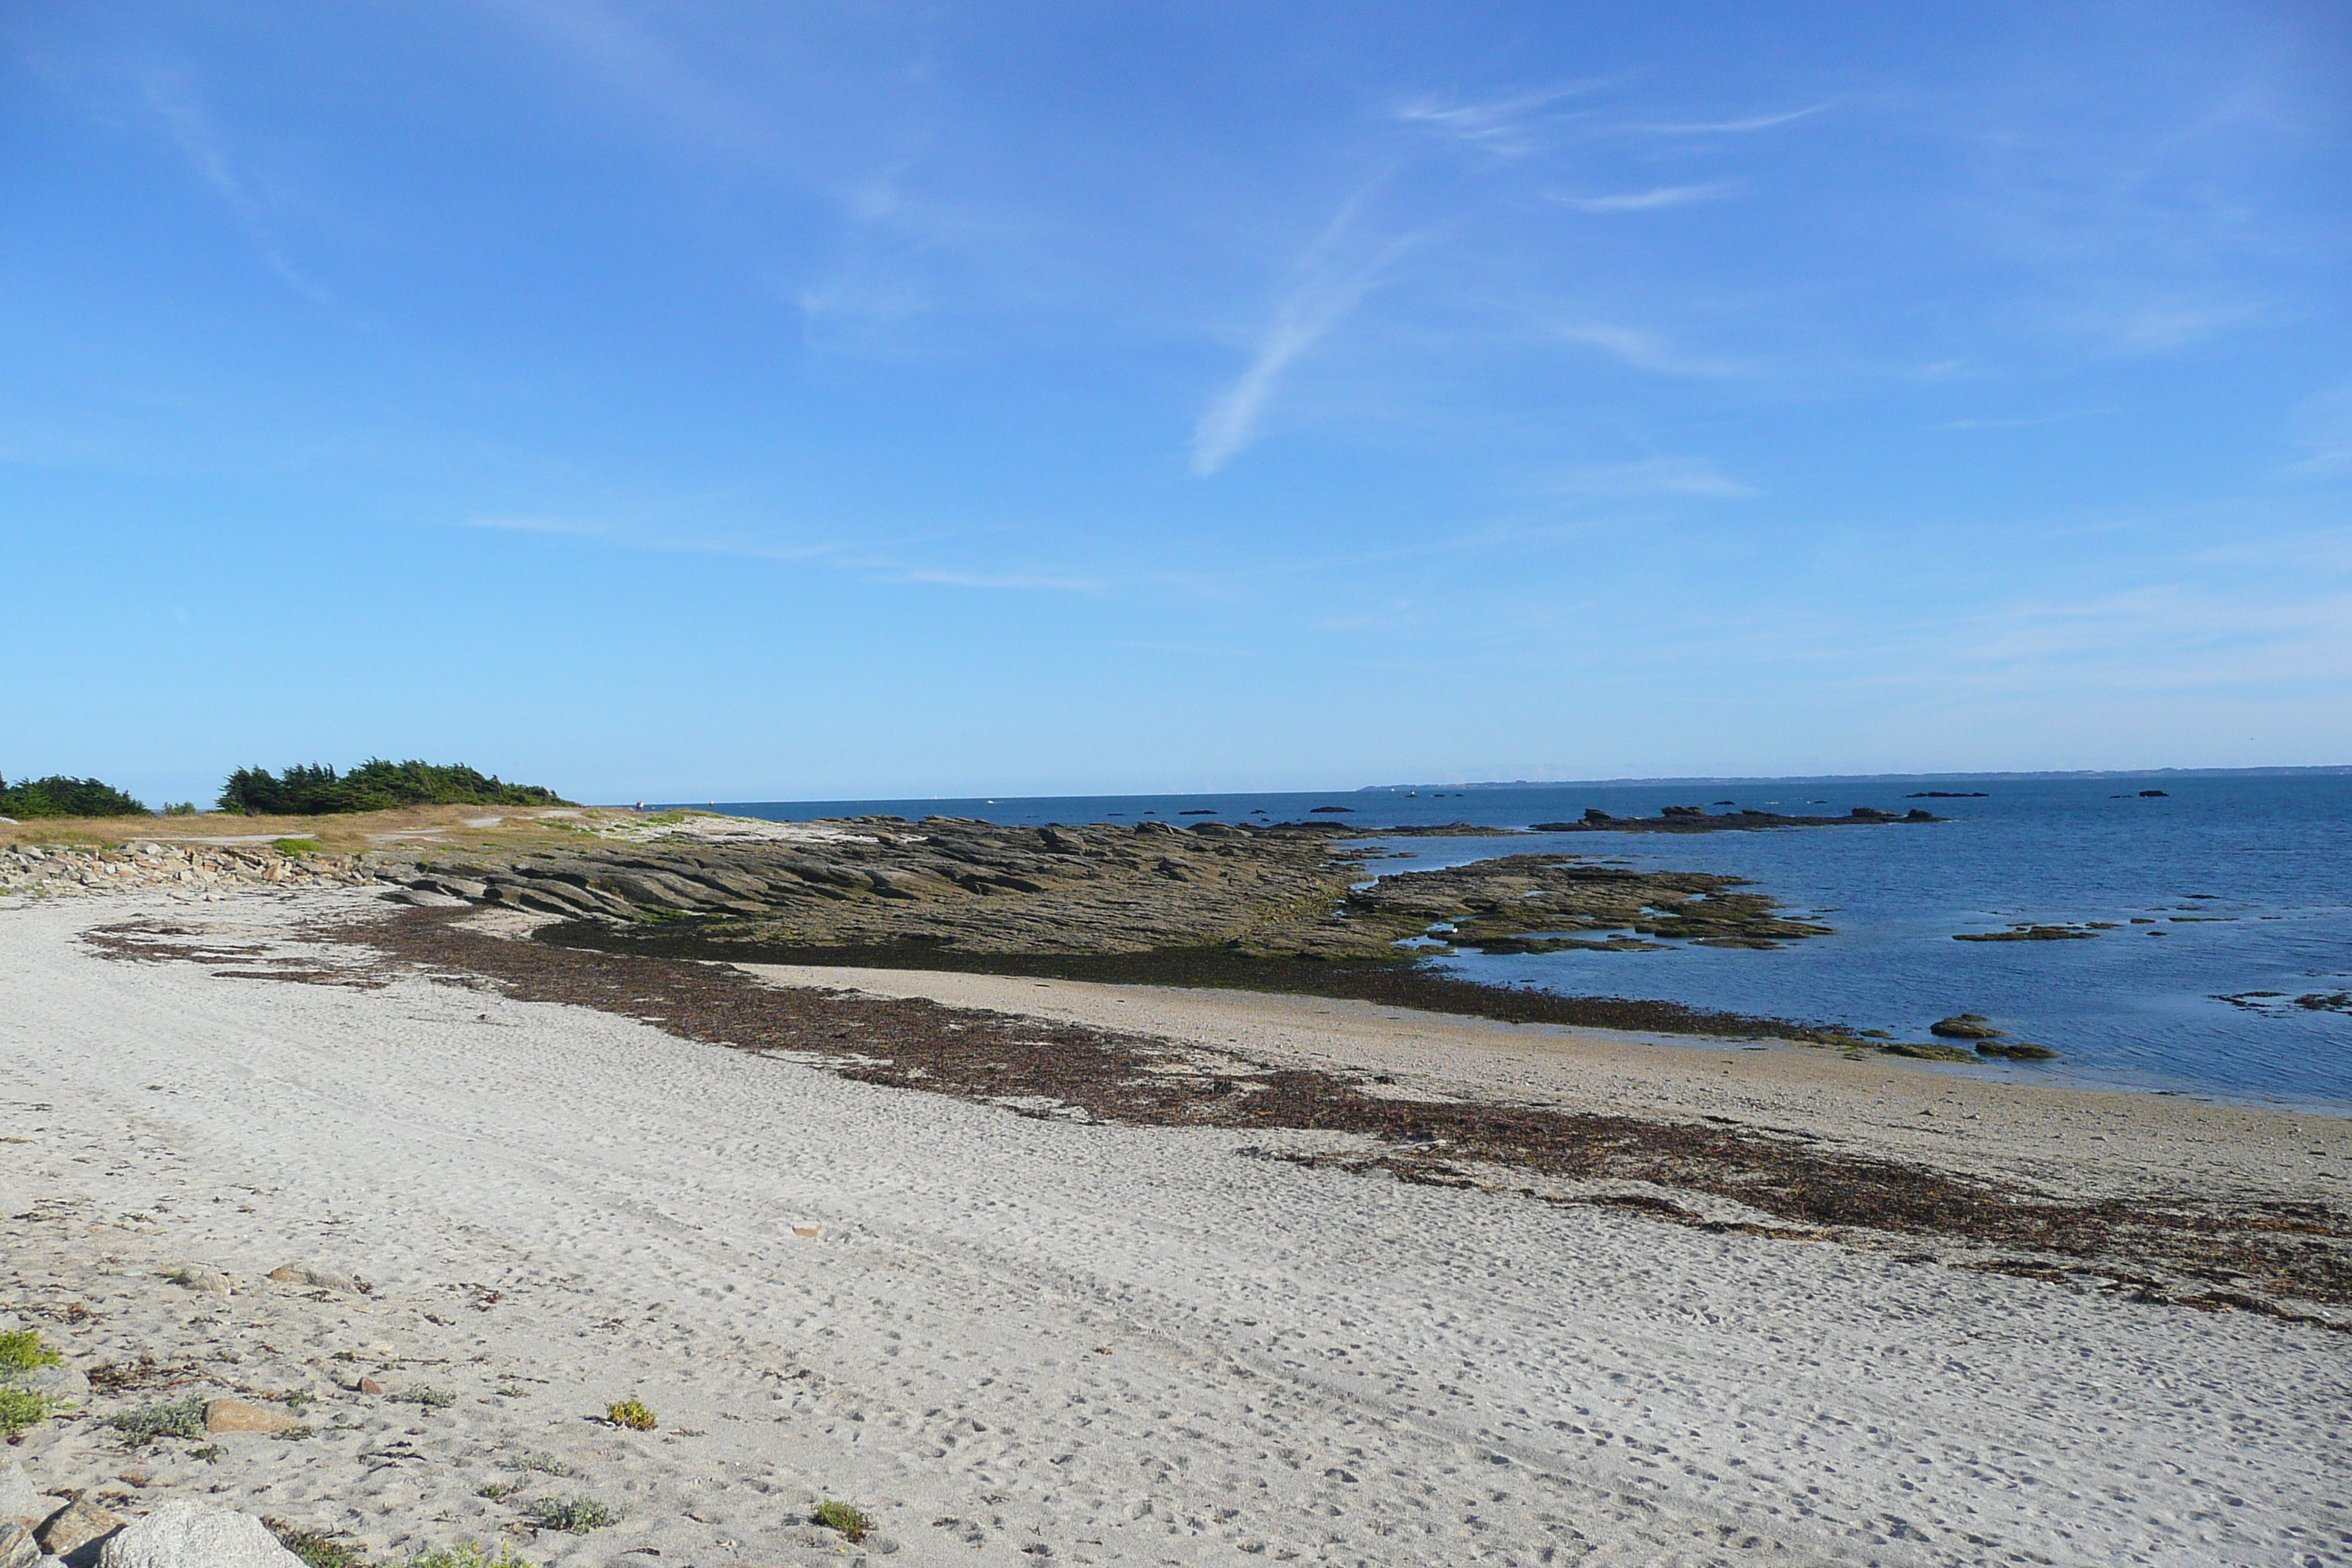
x=2248, y=882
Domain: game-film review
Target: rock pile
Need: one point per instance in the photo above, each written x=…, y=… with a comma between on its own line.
x=75, y=871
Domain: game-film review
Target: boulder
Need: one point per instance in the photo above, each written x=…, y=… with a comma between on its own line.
x=303, y=1274
x=75, y=1526
x=236, y=1416
x=18, y=1500
x=17, y=1547
x=187, y=1534
x=1965, y=1026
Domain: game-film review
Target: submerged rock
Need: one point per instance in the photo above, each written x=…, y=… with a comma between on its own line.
x=1965, y=1026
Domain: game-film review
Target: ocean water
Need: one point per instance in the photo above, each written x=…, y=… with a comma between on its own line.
x=2246, y=882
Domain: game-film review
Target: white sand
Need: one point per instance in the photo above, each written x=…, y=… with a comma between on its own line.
x=1302, y=1365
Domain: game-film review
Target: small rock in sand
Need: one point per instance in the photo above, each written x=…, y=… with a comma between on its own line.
x=17, y=1547
x=186, y=1534
x=367, y=1386
x=18, y=1500
x=303, y=1274
x=197, y=1277
x=236, y=1416
x=74, y=1527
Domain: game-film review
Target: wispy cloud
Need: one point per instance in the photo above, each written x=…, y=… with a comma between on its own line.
x=173, y=100
x=1325, y=293
x=1693, y=476
x=1644, y=201
x=1644, y=351
x=1504, y=125
x=1734, y=127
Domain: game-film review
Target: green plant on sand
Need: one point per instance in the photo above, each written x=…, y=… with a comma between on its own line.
x=467, y=1554
x=21, y=1350
x=431, y=1398
x=632, y=1414
x=20, y=1409
x=316, y=1551
x=834, y=1514
x=166, y=1418
x=579, y=1514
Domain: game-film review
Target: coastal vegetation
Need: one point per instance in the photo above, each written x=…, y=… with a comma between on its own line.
x=851, y=1521
x=631, y=1412
x=59, y=795
x=376, y=785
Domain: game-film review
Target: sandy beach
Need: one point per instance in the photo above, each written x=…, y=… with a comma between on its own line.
x=1019, y=1338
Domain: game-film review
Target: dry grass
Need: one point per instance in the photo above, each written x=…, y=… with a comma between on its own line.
x=423, y=825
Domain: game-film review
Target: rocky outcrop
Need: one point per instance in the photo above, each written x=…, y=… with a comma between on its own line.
x=979, y=888
x=187, y=1534
x=50, y=871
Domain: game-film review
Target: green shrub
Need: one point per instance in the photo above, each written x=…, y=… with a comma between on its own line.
x=579, y=1514
x=834, y=1514
x=181, y=808
x=166, y=1418
x=544, y=1464
x=295, y=846
x=631, y=1414
x=429, y=1397
x=21, y=1350
x=316, y=1551
x=374, y=785
x=59, y=795
x=20, y=1408
x=466, y=1555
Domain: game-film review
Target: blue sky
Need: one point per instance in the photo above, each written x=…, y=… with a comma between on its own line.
x=770, y=401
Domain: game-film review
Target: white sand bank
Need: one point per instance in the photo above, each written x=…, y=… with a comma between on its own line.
x=2080, y=1142
x=1302, y=1365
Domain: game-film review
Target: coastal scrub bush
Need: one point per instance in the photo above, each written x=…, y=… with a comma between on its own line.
x=295, y=846
x=315, y=1550
x=181, y=808
x=579, y=1514
x=165, y=1419
x=834, y=1514
x=431, y=1398
x=466, y=1555
x=21, y=1350
x=631, y=1414
x=59, y=795
x=544, y=1464
x=375, y=784
x=20, y=1408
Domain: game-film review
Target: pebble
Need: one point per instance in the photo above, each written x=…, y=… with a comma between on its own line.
x=236, y=1416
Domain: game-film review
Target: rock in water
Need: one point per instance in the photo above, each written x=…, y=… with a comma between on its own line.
x=236, y=1416
x=75, y=1526
x=1965, y=1026
x=186, y=1534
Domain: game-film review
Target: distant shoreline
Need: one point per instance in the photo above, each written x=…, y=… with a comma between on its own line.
x=2326, y=770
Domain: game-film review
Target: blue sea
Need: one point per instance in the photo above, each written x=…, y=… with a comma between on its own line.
x=2245, y=880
